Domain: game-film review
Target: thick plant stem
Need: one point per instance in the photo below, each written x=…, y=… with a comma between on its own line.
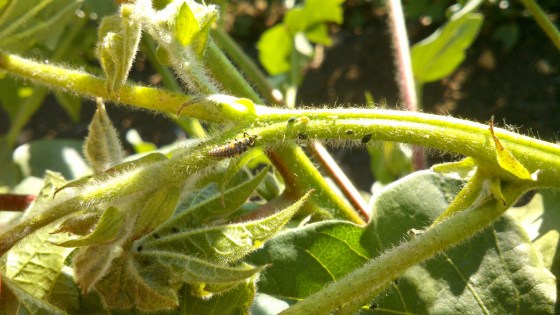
x=445, y=133
x=544, y=22
x=300, y=174
x=405, y=75
x=356, y=288
x=91, y=86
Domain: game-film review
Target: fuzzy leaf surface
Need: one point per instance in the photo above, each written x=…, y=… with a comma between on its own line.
x=496, y=272
x=119, y=36
x=227, y=243
x=26, y=23
x=212, y=208
x=235, y=301
x=102, y=146
x=22, y=302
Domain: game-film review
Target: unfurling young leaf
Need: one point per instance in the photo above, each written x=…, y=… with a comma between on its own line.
x=186, y=25
x=102, y=146
x=119, y=36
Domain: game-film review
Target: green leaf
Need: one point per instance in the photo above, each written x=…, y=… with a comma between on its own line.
x=106, y=230
x=119, y=36
x=275, y=47
x=22, y=302
x=235, y=301
x=305, y=259
x=35, y=263
x=498, y=271
x=227, y=243
x=25, y=23
x=540, y=218
x=187, y=269
x=235, y=165
x=440, y=54
x=155, y=210
x=63, y=156
x=124, y=286
x=214, y=207
x=186, y=25
x=319, y=34
x=325, y=10
x=102, y=146
x=300, y=19
x=201, y=40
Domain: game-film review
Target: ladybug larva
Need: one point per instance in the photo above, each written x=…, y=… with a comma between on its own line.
x=235, y=148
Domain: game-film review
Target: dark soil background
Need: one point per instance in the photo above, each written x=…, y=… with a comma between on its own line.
x=514, y=78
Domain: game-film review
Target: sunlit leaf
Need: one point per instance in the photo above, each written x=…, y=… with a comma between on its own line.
x=498, y=270
x=186, y=25
x=439, y=55
x=275, y=47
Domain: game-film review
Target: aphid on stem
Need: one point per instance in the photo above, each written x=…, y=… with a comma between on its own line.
x=235, y=148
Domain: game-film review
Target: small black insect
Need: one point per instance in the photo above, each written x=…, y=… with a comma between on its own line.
x=174, y=230
x=302, y=136
x=139, y=249
x=291, y=120
x=235, y=148
x=366, y=138
x=349, y=132
x=156, y=236
x=373, y=306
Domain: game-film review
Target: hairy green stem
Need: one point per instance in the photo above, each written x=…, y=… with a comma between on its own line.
x=440, y=132
x=357, y=288
x=274, y=129
x=88, y=85
x=544, y=22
